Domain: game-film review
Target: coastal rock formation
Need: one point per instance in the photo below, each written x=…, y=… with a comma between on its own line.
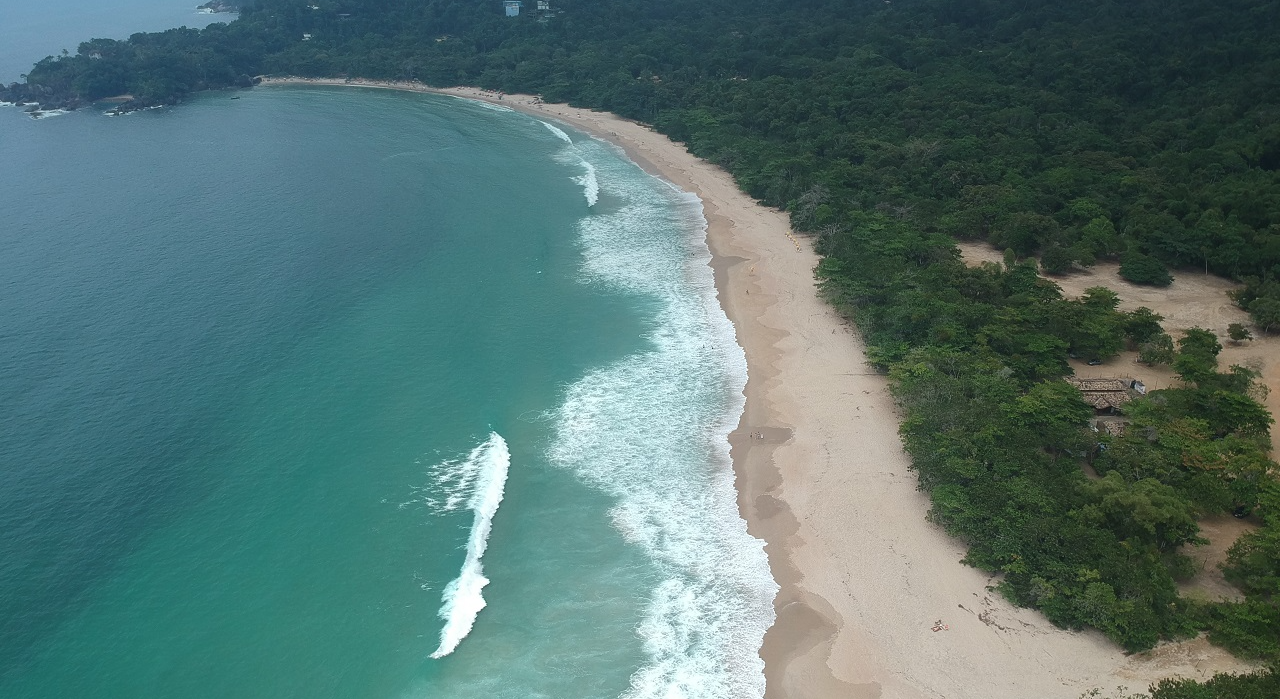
x=219, y=6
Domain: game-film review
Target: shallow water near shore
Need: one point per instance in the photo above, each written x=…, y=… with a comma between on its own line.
x=311, y=386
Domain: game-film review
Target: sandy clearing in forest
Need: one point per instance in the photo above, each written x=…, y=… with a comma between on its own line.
x=1193, y=300
x=829, y=488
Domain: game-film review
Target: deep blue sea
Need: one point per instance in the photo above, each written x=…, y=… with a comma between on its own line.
x=323, y=392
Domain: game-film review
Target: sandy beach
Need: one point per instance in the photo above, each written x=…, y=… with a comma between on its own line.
x=823, y=480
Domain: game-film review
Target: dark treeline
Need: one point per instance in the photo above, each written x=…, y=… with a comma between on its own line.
x=1142, y=131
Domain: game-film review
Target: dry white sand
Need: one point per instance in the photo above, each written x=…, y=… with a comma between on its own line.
x=828, y=487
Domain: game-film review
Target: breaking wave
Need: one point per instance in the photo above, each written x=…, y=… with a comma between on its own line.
x=558, y=132
x=573, y=155
x=651, y=430
x=48, y=113
x=484, y=104
x=478, y=480
x=493, y=107
x=590, y=185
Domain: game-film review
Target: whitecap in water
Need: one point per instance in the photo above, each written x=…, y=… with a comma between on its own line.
x=479, y=481
x=572, y=155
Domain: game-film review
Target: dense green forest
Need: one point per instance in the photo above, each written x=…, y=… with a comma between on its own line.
x=1097, y=129
x=1141, y=131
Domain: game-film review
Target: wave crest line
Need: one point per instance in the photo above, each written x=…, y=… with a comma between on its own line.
x=462, y=598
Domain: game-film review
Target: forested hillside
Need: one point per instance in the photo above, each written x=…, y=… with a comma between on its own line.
x=1024, y=123
x=1143, y=131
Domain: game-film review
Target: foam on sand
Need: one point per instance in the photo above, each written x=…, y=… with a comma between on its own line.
x=482, y=474
x=651, y=430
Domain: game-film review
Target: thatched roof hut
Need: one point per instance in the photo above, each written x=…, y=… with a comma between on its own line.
x=1103, y=394
x=1095, y=385
x=1107, y=400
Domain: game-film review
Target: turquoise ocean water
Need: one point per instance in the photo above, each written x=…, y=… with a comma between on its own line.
x=287, y=379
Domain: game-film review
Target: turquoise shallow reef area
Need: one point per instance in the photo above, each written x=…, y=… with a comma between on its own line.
x=348, y=393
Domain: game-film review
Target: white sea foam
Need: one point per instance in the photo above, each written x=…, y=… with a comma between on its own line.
x=558, y=132
x=8, y=104
x=479, y=479
x=573, y=155
x=49, y=113
x=651, y=430
x=485, y=105
x=590, y=185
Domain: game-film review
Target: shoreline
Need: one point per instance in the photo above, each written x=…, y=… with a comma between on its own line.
x=829, y=490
